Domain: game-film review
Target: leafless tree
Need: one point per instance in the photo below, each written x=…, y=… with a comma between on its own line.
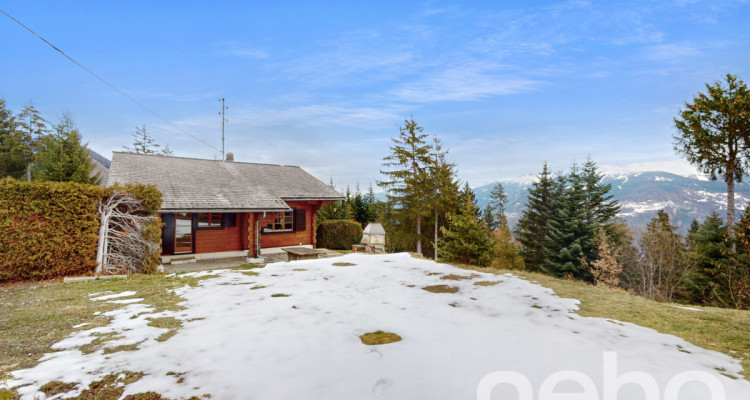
x=123, y=246
x=663, y=266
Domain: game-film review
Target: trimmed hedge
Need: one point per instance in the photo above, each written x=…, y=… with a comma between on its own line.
x=50, y=229
x=338, y=234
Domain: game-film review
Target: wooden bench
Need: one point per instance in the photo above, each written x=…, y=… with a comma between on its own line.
x=302, y=253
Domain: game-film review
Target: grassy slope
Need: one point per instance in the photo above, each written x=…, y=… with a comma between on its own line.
x=36, y=315
x=723, y=330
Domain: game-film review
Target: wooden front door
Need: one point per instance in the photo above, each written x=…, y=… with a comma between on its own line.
x=183, y=233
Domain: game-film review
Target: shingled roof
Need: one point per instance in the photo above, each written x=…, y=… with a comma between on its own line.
x=191, y=184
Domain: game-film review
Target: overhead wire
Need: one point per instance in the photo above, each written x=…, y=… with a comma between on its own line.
x=107, y=83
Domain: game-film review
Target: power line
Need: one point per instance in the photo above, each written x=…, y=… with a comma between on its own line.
x=107, y=83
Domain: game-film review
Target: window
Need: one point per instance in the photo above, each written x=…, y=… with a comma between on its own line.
x=209, y=220
x=230, y=220
x=283, y=223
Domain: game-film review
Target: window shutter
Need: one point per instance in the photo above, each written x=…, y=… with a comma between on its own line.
x=167, y=234
x=299, y=219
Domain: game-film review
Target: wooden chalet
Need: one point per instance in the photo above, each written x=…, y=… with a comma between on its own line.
x=217, y=209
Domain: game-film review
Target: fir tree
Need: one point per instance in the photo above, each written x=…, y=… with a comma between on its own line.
x=601, y=209
x=62, y=157
x=334, y=210
x=13, y=154
x=444, y=185
x=143, y=143
x=407, y=184
x=532, y=227
x=465, y=238
x=570, y=238
x=709, y=257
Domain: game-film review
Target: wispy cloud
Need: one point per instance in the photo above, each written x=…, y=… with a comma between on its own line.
x=241, y=50
x=671, y=52
x=464, y=83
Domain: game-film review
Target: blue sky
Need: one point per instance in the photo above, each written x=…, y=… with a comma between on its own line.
x=506, y=85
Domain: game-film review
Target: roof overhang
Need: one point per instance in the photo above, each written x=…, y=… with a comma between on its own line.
x=224, y=210
x=313, y=198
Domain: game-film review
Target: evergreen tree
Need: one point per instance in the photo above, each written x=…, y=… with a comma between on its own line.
x=34, y=127
x=334, y=210
x=12, y=153
x=372, y=206
x=570, y=239
x=532, y=227
x=498, y=198
x=507, y=254
x=708, y=257
x=407, y=184
x=715, y=134
x=166, y=151
x=465, y=238
x=62, y=157
x=601, y=209
x=488, y=218
x=444, y=196
x=143, y=143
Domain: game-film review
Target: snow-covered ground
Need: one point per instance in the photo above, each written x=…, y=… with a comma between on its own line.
x=239, y=342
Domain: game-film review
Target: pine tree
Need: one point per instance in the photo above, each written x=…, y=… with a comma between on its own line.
x=532, y=227
x=507, y=254
x=715, y=134
x=444, y=186
x=13, y=155
x=570, y=238
x=34, y=127
x=334, y=210
x=465, y=238
x=62, y=157
x=372, y=206
x=407, y=184
x=143, y=143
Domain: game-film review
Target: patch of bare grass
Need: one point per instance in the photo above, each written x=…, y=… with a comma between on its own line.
x=110, y=387
x=250, y=273
x=441, y=289
x=280, y=295
x=486, y=283
x=379, y=337
x=173, y=324
x=343, y=264
x=454, y=277
x=56, y=387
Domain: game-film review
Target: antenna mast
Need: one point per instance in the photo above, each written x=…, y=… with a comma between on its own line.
x=223, y=120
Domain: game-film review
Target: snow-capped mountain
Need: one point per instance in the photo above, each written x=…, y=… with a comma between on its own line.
x=683, y=192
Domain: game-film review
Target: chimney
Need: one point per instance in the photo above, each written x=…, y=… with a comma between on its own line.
x=230, y=157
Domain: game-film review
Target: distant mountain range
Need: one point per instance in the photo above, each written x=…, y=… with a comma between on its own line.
x=684, y=194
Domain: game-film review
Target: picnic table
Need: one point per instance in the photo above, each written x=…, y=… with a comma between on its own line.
x=302, y=253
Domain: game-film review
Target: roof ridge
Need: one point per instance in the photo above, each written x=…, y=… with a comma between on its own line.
x=202, y=159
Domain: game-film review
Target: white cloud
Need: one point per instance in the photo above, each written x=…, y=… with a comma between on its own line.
x=464, y=83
